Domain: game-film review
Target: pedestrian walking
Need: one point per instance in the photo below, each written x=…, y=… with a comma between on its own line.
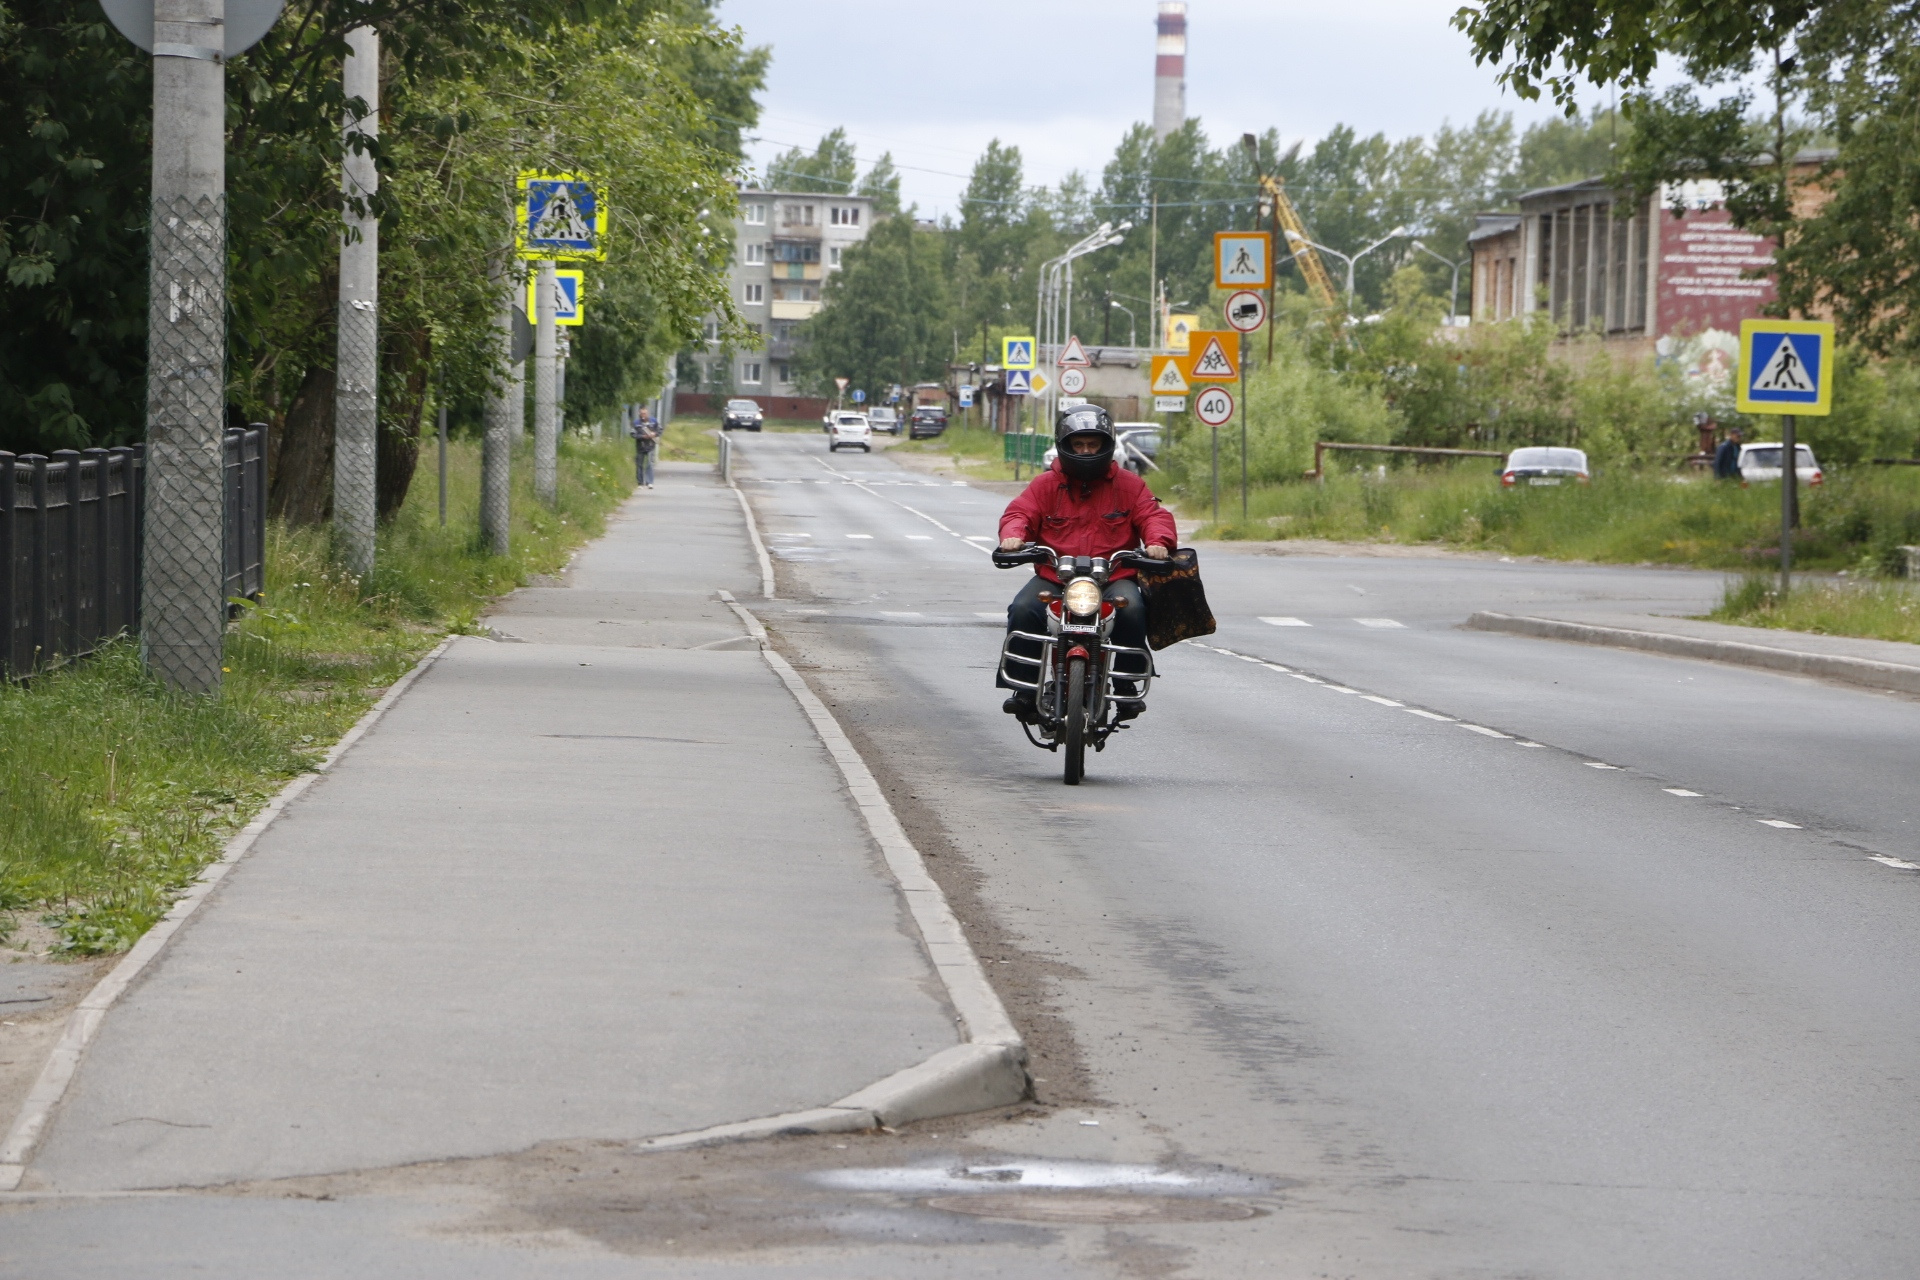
x=1726, y=459
x=646, y=445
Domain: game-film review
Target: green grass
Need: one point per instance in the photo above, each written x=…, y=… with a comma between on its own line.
x=1857, y=520
x=689, y=440
x=115, y=792
x=976, y=451
x=1876, y=610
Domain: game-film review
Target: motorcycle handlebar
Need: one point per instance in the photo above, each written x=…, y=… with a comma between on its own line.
x=1035, y=553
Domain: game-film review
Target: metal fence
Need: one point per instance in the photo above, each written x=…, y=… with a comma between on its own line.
x=70, y=539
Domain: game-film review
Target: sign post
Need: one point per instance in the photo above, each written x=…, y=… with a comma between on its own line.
x=561, y=218
x=1214, y=406
x=1786, y=368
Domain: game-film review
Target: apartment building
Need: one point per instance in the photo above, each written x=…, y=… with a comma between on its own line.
x=786, y=244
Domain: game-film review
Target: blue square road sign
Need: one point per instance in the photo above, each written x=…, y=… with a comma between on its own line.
x=1786, y=366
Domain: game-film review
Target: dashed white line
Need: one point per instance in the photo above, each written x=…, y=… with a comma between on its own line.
x=1285, y=622
x=1896, y=863
x=1340, y=688
x=1430, y=715
x=1379, y=622
x=1679, y=791
x=1309, y=679
x=1595, y=764
x=1775, y=822
x=1480, y=728
x=865, y=536
x=919, y=537
x=900, y=614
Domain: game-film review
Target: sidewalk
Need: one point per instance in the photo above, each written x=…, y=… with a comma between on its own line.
x=1876, y=664
x=596, y=878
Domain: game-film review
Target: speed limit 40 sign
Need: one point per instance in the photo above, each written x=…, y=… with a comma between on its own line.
x=1213, y=406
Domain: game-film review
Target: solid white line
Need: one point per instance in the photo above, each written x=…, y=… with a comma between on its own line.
x=1379, y=622
x=30, y=1125
x=1896, y=863
x=1679, y=791
x=1775, y=822
x=1285, y=622
x=1480, y=728
x=1430, y=715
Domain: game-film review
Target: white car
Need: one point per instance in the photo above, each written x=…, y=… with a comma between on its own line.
x=851, y=430
x=1762, y=462
x=1545, y=465
x=884, y=419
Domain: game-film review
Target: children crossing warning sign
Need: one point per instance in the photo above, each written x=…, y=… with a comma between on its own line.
x=1169, y=379
x=1786, y=366
x=1215, y=361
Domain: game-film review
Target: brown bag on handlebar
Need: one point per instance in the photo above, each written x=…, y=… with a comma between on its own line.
x=1176, y=602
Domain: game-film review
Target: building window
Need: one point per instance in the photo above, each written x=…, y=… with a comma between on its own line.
x=782, y=331
x=755, y=329
x=846, y=217
x=833, y=256
x=796, y=251
x=753, y=294
x=796, y=293
x=750, y=372
x=756, y=215
x=799, y=215
x=783, y=372
x=756, y=254
x=713, y=331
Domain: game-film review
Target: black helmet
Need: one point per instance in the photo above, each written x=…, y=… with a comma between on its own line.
x=1080, y=420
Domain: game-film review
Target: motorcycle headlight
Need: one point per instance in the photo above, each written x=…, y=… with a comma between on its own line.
x=1083, y=596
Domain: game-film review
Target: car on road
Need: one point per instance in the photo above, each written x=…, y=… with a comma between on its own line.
x=1545, y=465
x=1761, y=461
x=744, y=414
x=884, y=419
x=1138, y=440
x=849, y=429
x=928, y=422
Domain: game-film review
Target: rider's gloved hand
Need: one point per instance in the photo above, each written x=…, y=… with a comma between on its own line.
x=1011, y=544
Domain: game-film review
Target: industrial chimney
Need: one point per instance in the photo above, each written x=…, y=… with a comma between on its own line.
x=1170, y=69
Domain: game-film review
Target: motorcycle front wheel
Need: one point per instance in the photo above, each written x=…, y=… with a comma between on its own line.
x=1074, y=737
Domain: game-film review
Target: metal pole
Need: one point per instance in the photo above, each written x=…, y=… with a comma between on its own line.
x=1243, y=426
x=1789, y=499
x=496, y=446
x=443, y=459
x=183, y=602
x=356, y=399
x=546, y=387
x=1216, y=477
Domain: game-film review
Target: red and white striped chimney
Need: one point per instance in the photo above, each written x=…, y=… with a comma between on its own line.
x=1170, y=69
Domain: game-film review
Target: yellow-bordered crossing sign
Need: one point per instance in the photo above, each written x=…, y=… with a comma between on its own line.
x=560, y=218
x=1786, y=366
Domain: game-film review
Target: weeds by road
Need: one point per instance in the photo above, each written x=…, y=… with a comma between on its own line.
x=114, y=792
x=689, y=440
x=1858, y=520
x=1875, y=610
x=976, y=452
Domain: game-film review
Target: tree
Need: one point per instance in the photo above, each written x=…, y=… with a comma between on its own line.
x=830, y=169
x=882, y=185
x=885, y=314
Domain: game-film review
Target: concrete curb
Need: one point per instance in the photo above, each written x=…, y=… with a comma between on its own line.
x=1858, y=671
x=989, y=1069
x=753, y=532
x=42, y=1100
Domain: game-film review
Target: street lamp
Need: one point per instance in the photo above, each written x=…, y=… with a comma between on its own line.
x=1453, y=294
x=1056, y=277
x=1294, y=237
x=1133, y=325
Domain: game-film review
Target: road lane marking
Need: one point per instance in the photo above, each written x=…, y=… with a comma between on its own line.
x=1285, y=622
x=1775, y=822
x=1430, y=715
x=1379, y=622
x=1309, y=679
x=900, y=613
x=1679, y=791
x=1595, y=764
x=866, y=536
x=1480, y=728
x=1896, y=863
x=919, y=537
x=1340, y=688
x=1385, y=702
x=789, y=535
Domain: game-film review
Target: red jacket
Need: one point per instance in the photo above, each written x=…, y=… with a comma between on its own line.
x=1098, y=519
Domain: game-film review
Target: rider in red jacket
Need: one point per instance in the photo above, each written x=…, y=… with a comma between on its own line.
x=1086, y=504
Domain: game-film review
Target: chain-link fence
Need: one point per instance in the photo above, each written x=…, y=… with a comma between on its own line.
x=183, y=610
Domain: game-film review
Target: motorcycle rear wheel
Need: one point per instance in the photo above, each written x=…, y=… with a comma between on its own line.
x=1075, y=730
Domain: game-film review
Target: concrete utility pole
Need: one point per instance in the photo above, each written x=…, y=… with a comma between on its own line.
x=546, y=387
x=501, y=427
x=183, y=597
x=356, y=400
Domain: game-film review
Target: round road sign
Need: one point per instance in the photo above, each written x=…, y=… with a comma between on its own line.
x=1213, y=406
x=1246, y=311
x=1072, y=381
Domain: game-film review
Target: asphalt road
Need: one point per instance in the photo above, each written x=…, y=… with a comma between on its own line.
x=1503, y=956
x=1378, y=948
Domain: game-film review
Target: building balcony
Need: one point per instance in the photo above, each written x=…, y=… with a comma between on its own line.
x=794, y=310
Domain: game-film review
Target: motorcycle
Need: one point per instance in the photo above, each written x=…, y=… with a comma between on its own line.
x=1073, y=680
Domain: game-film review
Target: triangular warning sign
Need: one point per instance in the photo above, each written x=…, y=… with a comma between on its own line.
x=1213, y=364
x=1168, y=380
x=1784, y=371
x=1074, y=357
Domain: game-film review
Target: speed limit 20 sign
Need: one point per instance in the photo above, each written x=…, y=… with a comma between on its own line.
x=1214, y=406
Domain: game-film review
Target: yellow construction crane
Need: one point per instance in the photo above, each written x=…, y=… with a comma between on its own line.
x=1287, y=226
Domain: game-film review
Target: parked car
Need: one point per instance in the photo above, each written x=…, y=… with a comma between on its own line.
x=1762, y=462
x=928, y=422
x=1138, y=440
x=851, y=430
x=744, y=414
x=884, y=419
x=1544, y=465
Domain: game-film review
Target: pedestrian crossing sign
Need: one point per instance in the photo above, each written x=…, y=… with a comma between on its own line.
x=1169, y=379
x=1243, y=259
x=569, y=310
x=561, y=218
x=1016, y=353
x=1786, y=366
x=1019, y=383
x=1216, y=359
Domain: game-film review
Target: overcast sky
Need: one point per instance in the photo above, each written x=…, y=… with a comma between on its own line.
x=933, y=82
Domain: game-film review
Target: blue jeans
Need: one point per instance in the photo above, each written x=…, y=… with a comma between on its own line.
x=643, y=464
